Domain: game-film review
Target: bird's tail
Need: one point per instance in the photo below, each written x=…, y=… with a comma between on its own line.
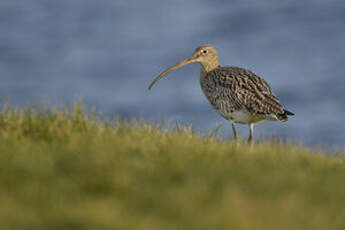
x=284, y=116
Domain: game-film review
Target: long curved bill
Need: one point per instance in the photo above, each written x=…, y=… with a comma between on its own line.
x=182, y=63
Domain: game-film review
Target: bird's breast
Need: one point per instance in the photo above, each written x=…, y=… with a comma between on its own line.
x=222, y=100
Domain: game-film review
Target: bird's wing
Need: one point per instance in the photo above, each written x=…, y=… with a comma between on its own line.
x=248, y=90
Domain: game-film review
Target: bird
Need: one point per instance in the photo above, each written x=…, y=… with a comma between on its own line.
x=237, y=94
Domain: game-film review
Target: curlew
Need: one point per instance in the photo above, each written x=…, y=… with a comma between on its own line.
x=237, y=94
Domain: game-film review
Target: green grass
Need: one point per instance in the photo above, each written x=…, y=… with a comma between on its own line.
x=61, y=169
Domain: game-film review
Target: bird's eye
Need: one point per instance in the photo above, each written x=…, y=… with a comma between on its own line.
x=204, y=51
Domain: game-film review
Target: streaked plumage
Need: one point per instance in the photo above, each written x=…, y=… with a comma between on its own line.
x=233, y=90
x=237, y=94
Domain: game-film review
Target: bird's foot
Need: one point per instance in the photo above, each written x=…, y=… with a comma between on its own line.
x=251, y=142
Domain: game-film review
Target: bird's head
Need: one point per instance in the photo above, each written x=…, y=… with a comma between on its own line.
x=206, y=55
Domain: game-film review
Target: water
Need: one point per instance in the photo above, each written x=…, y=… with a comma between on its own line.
x=107, y=52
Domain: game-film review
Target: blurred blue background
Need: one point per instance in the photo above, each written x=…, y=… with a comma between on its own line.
x=106, y=52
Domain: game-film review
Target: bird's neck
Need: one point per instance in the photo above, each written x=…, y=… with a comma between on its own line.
x=210, y=65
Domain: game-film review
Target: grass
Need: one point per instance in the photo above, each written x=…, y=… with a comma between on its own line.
x=62, y=169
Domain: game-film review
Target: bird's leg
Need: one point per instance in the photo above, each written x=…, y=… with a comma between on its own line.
x=251, y=134
x=235, y=133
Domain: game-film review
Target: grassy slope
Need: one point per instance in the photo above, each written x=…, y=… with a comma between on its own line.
x=60, y=170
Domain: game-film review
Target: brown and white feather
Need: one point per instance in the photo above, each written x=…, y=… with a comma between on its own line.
x=235, y=91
